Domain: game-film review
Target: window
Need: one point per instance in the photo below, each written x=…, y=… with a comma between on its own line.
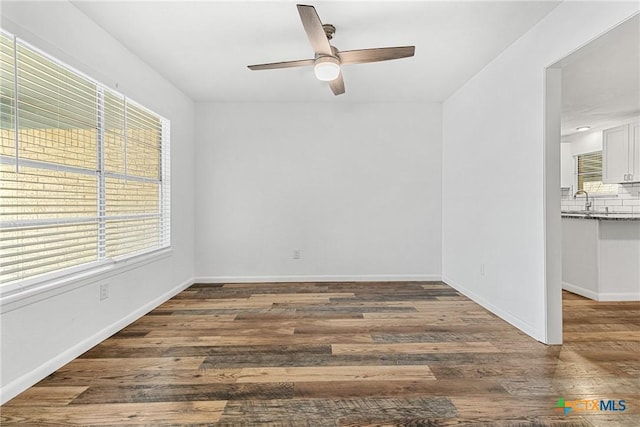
x=589, y=174
x=84, y=171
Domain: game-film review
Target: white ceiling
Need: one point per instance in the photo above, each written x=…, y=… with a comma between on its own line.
x=601, y=81
x=204, y=47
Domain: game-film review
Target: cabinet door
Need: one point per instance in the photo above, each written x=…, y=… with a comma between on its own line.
x=615, y=155
x=634, y=152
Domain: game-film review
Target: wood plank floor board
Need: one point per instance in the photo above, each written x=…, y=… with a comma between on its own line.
x=438, y=337
x=109, y=352
x=427, y=316
x=381, y=298
x=161, y=364
x=172, y=321
x=126, y=377
x=146, y=413
x=415, y=348
x=296, y=344
x=355, y=326
x=307, y=360
x=575, y=387
x=616, y=327
x=342, y=354
x=239, y=360
x=396, y=387
x=358, y=309
x=480, y=371
x=225, y=293
x=49, y=396
x=334, y=373
x=215, y=311
x=557, y=421
x=338, y=411
x=162, y=342
x=299, y=315
x=182, y=392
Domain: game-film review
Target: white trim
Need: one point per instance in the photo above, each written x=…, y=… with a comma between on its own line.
x=579, y=291
x=321, y=278
x=19, y=297
x=508, y=317
x=619, y=296
x=17, y=386
x=39, y=164
x=605, y=296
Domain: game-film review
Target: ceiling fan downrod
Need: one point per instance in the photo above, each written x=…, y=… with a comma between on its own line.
x=329, y=30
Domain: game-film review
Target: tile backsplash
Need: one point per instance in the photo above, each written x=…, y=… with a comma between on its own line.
x=626, y=201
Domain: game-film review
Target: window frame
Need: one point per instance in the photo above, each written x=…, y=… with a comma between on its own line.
x=103, y=264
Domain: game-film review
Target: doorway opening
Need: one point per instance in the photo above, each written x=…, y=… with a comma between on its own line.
x=592, y=127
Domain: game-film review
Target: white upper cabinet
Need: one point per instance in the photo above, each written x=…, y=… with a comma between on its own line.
x=621, y=154
x=634, y=135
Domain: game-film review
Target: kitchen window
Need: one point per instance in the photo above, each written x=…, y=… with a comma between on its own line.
x=589, y=174
x=84, y=171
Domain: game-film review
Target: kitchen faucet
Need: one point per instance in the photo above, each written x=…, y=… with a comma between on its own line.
x=587, y=203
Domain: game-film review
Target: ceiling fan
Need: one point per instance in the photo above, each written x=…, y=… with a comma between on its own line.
x=328, y=58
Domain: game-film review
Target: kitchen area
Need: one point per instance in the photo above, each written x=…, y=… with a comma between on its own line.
x=601, y=221
x=600, y=167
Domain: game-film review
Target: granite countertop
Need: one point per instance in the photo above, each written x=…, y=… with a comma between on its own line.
x=602, y=216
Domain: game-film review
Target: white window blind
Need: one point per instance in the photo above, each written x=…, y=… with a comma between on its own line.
x=84, y=175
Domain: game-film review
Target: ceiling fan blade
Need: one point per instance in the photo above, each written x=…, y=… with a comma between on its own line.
x=313, y=27
x=286, y=64
x=375, y=55
x=337, y=85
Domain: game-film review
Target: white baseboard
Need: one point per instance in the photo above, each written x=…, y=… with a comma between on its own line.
x=601, y=296
x=321, y=278
x=580, y=291
x=504, y=315
x=17, y=386
x=621, y=296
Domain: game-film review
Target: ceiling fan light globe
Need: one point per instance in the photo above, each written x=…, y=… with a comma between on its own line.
x=326, y=68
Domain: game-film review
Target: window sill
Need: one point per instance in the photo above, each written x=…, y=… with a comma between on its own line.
x=22, y=295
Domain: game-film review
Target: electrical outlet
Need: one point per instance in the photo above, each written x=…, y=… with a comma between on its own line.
x=104, y=291
x=482, y=269
x=297, y=254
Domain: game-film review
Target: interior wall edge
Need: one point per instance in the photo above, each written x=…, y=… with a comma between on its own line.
x=525, y=327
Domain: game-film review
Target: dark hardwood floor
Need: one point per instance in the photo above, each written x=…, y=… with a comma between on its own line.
x=343, y=354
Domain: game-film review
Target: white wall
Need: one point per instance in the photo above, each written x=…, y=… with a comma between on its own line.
x=44, y=331
x=601, y=259
x=619, y=252
x=493, y=153
x=355, y=187
x=567, y=166
x=584, y=142
x=580, y=256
